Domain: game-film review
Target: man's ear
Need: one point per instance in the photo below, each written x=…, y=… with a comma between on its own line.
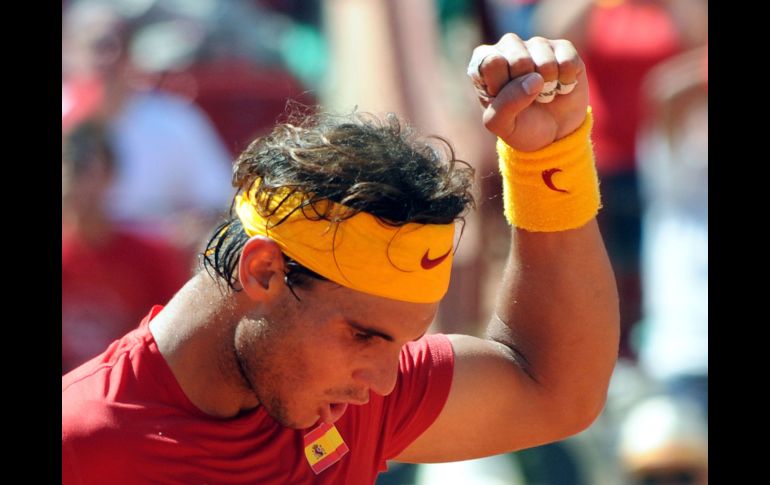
x=261, y=268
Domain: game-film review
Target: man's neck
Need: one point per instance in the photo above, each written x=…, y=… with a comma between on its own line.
x=195, y=334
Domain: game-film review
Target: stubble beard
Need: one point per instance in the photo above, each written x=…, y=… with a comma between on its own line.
x=257, y=372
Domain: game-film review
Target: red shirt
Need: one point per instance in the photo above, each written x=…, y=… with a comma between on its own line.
x=125, y=419
x=81, y=98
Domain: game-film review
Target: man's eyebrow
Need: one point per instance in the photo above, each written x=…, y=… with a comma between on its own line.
x=370, y=330
x=373, y=331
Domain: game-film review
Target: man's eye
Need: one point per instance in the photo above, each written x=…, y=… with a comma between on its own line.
x=363, y=337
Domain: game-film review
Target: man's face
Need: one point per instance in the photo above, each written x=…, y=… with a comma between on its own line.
x=308, y=359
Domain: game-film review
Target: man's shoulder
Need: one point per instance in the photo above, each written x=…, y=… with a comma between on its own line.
x=427, y=350
x=85, y=409
x=425, y=365
x=90, y=391
x=94, y=442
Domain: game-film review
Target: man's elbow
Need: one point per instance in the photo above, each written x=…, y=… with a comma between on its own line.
x=579, y=413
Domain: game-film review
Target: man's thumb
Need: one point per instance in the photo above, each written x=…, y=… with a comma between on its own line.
x=521, y=90
x=532, y=83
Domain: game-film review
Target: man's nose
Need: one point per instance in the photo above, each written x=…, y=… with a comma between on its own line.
x=380, y=379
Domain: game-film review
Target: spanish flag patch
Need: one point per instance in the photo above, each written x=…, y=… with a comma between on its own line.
x=324, y=447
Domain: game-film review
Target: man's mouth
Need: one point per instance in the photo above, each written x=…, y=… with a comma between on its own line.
x=331, y=413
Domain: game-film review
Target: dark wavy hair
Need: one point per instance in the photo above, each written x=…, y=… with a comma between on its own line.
x=371, y=164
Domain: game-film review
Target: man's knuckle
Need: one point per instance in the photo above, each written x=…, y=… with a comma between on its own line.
x=522, y=65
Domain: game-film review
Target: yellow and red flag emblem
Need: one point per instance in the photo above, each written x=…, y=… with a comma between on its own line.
x=324, y=447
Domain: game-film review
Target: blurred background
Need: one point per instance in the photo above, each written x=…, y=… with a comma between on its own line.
x=159, y=96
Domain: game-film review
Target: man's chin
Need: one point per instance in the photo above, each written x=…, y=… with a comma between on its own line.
x=304, y=424
x=287, y=421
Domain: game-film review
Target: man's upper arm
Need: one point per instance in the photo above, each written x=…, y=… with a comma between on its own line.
x=493, y=407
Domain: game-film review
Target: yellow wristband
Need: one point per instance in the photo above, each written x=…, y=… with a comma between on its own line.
x=552, y=189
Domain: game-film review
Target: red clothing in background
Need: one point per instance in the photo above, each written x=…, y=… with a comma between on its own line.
x=80, y=99
x=624, y=42
x=106, y=289
x=125, y=419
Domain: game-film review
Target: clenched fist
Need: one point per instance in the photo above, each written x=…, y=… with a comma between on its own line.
x=533, y=92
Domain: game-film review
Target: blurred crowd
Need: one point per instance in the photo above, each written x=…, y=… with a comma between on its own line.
x=159, y=96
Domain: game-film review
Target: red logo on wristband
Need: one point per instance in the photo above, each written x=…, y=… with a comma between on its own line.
x=547, y=174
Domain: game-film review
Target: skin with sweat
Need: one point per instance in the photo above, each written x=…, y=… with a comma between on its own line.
x=551, y=344
x=301, y=360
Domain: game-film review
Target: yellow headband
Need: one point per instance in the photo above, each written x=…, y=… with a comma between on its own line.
x=407, y=263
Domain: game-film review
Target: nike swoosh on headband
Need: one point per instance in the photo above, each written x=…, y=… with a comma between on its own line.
x=428, y=263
